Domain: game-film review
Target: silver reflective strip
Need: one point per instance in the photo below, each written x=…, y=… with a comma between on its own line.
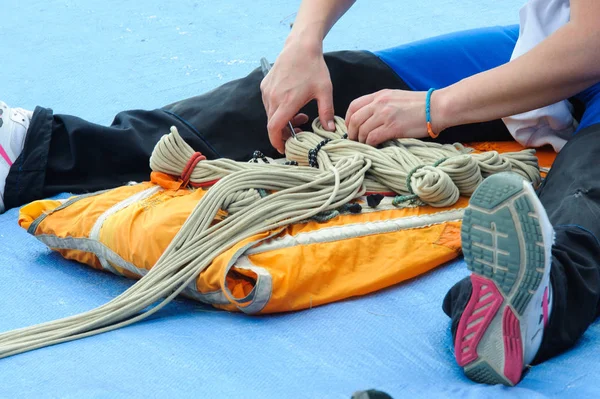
x=102, y=251
x=63, y=204
x=263, y=288
x=95, y=231
x=347, y=231
x=260, y=295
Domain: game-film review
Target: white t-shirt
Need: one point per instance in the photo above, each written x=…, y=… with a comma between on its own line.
x=553, y=124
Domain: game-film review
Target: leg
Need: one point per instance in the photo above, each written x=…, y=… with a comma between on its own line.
x=67, y=154
x=571, y=198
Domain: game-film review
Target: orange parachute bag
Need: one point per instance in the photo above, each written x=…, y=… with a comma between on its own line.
x=305, y=264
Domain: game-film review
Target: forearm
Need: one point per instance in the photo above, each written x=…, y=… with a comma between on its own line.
x=314, y=20
x=561, y=66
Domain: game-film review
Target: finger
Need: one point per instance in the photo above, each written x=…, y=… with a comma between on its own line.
x=277, y=124
x=285, y=135
x=358, y=104
x=325, y=105
x=368, y=126
x=357, y=119
x=379, y=135
x=299, y=119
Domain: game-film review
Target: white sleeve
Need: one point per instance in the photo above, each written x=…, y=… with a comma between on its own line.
x=553, y=124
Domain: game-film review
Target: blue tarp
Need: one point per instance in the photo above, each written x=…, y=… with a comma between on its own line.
x=94, y=58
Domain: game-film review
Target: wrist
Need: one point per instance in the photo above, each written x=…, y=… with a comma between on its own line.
x=306, y=40
x=442, y=114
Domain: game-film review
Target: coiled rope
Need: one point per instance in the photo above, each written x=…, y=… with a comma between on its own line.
x=435, y=174
x=343, y=170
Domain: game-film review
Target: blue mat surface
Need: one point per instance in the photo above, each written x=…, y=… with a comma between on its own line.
x=94, y=58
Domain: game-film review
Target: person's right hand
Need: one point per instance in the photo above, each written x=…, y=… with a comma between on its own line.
x=297, y=77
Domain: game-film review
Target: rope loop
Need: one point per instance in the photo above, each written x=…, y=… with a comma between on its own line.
x=464, y=172
x=189, y=167
x=409, y=177
x=238, y=200
x=434, y=187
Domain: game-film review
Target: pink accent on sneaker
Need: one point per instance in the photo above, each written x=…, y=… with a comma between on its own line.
x=513, y=346
x=545, y=307
x=5, y=156
x=477, y=316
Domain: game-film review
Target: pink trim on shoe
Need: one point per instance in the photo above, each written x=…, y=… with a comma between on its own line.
x=513, y=346
x=477, y=316
x=5, y=156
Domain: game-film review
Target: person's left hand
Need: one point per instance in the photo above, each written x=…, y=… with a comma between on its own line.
x=385, y=115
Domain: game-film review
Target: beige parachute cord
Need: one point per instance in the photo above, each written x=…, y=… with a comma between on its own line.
x=342, y=171
x=297, y=197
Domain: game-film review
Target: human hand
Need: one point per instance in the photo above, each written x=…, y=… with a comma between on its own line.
x=387, y=114
x=298, y=120
x=296, y=78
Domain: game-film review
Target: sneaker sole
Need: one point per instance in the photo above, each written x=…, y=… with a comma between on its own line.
x=503, y=245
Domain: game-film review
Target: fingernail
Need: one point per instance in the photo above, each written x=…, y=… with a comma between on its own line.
x=331, y=125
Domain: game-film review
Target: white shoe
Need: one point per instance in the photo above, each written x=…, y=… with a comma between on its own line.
x=507, y=241
x=14, y=123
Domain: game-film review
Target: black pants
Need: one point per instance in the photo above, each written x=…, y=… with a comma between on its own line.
x=67, y=154
x=571, y=196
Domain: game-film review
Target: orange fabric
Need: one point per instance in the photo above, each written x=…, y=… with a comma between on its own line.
x=278, y=271
x=165, y=181
x=450, y=237
x=140, y=234
x=351, y=267
x=31, y=211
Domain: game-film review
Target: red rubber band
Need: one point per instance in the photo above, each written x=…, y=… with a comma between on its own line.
x=189, y=167
x=205, y=184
